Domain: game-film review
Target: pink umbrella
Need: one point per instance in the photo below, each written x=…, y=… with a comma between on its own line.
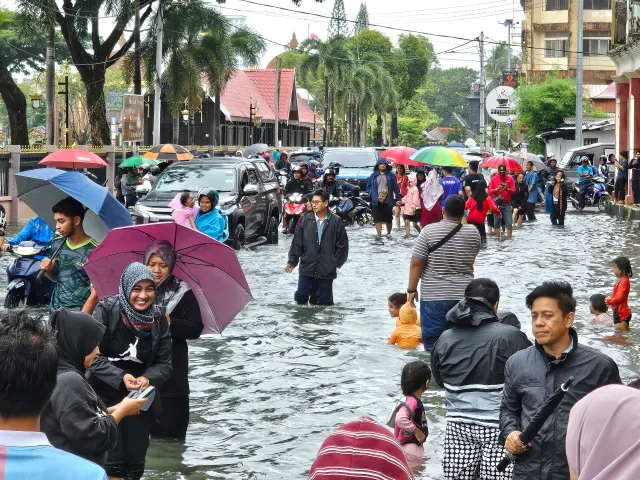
x=73, y=158
x=209, y=267
x=400, y=156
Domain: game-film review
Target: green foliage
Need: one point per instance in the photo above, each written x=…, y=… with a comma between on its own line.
x=338, y=24
x=497, y=62
x=542, y=106
x=446, y=90
x=416, y=54
x=370, y=41
x=362, y=20
x=458, y=132
x=410, y=131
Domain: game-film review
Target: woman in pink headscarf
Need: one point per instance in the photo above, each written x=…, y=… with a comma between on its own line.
x=184, y=209
x=602, y=436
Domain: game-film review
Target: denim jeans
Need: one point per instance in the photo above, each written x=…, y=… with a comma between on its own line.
x=320, y=291
x=433, y=320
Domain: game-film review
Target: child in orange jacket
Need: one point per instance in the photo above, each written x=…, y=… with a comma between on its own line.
x=619, y=299
x=408, y=334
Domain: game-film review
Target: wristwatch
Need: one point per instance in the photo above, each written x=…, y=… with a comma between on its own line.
x=411, y=291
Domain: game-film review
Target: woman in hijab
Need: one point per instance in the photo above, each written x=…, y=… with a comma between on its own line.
x=135, y=352
x=184, y=209
x=210, y=220
x=430, y=193
x=75, y=419
x=602, y=435
x=185, y=323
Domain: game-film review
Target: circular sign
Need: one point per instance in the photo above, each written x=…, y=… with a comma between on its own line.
x=500, y=105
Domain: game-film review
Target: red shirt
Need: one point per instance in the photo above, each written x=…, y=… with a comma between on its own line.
x=619, y=298
x=403, y=184
x=495, y=183
x=479, y=216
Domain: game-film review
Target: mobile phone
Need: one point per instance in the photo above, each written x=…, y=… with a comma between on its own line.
x=149, y=393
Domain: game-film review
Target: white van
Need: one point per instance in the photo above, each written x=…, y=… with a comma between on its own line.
x=571, y=160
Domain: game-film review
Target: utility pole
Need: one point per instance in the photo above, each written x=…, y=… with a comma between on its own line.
x=508, y=23
x=580, y=46
x=51, y=80
x=66, y=97
x=482, y=143
x=277, y=119
x=251, y=112
x=156, y=98
x=137, y=75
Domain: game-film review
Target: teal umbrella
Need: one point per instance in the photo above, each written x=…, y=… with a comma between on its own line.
x=137, y=160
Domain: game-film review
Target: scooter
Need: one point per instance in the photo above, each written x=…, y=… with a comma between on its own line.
x=352, y=210
x=295, y=206
x=595, y=194
x=24, y=288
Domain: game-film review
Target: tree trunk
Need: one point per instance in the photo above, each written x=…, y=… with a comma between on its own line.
x=176, y=130
x=16, y=105
x=331, y=135
x=326, y=111
x=50, y=91
x=377, y=139
x=358, y=139
x=217, y=140
x=137, y=73
x=394, y=129
x=100, y=134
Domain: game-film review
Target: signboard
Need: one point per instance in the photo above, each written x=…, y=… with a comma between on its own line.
x=500, y=105
x=510, y=79
x=133, y=114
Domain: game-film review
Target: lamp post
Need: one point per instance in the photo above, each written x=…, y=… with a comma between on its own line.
x=66, y=96
x=251, y=112
x=185, y=119
x=314, y=128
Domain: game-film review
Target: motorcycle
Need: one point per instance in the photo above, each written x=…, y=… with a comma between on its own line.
x=283, y=177
x=24, y=288
x=294, y=207
x=595, y=194
x=352, y=211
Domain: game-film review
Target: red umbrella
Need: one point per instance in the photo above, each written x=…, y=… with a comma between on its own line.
x=494, y=162
x=73, y=158
x=400, y=156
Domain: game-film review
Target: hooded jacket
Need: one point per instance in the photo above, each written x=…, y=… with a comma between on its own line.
x=411, y=200
x=319, y=259
x=75, y=419
x=36, y=230
x=392, y=184
x=408, y=334
x=468, y=361
x=333, y=188
x=530, y=377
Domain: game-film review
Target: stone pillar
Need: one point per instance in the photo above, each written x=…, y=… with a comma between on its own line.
x=634, y=113
x=14, y=167
x=111, y=166
x=622, y=117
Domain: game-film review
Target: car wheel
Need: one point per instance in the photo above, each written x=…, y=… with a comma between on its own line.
x=272, y=231
x=602, y=203
x=13, y=298
x=239, y=239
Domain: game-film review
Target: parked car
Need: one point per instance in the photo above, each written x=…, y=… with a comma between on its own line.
x=571, y=160
x=356, y=165
x=249, y=191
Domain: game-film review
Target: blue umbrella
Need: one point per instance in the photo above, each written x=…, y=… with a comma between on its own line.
x=42, y=188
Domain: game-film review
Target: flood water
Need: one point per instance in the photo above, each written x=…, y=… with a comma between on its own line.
x=268, y=391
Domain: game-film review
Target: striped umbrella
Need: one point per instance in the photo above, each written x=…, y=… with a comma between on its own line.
x=441, y=156
x=168, y=152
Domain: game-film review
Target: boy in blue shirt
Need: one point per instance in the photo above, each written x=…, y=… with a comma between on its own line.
x=450, y=184
x=28, y=375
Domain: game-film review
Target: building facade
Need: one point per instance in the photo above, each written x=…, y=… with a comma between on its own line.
x=549, y=39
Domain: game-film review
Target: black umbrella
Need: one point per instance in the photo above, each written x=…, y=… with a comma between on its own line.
x=254, y=149
x=538, y=419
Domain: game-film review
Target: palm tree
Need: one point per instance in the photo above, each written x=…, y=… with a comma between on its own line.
x=198, y=43
x=329, y=59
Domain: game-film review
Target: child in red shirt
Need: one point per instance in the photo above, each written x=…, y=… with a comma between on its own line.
x=619, y=299
x=478, y=205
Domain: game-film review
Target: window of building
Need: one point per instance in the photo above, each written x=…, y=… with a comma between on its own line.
x=596, y=43
x=557, y=5
x=590, y=141
x=597, y=4
x=556, y=48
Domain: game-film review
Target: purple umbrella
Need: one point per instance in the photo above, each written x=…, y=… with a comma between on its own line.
x=209, y=267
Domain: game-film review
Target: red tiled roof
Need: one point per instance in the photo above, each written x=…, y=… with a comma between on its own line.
x=265, y=81
x=237, y=96
x=608, y=93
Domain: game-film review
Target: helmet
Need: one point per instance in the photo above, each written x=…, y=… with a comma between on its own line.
x=296, y=169
x=145, y=167
x=155, y=169
x=303, y=165
x=584, y=159
x=330, y=171
x=266, y=156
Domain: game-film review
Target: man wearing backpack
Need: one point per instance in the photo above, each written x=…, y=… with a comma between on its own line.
x=443, y=257
x=468, y=362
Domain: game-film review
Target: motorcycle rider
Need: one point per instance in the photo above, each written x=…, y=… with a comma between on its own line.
x=331, y=185
x=283, y=163
x=296, y=185
x=36, y=230
x=585, y=175
x=147, y=176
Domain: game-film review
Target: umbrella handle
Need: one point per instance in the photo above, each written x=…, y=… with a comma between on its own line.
x=41, y=273
x=504, y=463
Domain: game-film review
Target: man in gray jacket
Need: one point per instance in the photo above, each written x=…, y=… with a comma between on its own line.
x=533, y=374
x=468, y=361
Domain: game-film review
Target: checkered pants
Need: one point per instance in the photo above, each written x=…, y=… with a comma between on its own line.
x=472, y=452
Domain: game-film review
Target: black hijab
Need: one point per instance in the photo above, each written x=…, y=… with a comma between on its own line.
x=78, y=334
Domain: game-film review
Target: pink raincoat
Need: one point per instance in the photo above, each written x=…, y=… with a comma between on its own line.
x=411, y=200
x=182, y=213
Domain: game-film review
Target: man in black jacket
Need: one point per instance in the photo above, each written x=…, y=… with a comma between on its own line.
x=535, y=373
x=468, y=361
x=321, y=243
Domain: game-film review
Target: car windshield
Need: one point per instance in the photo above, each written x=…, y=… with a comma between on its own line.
x=194, y=178
x=350, y=158
x=302, y=157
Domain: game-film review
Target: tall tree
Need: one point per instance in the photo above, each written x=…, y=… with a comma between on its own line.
x=338, y=24
x=446, y=90
x=362, y=20
x=497, y=63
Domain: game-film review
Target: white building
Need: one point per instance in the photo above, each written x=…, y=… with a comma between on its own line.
x=563, y=138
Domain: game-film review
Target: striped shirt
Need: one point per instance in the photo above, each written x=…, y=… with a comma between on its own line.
x=449, y=269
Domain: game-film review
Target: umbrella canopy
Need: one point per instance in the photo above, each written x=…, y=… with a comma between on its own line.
x=538, y=419
x=523, y=157
x=168, y=152
x=442, y=156
x=400, y=156
x=494, y=162
x=42, y=188
x=73, y=158
x=209, y=267
x=253, y=150
x=137, y=160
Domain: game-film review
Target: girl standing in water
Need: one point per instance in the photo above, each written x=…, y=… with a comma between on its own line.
x=619, y=299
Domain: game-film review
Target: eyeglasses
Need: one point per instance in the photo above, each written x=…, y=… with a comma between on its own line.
x=316, y=202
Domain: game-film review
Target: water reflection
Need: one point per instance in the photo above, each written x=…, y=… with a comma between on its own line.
x=267, y=392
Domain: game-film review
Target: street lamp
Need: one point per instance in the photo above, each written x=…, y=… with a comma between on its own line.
x=36, y=100
x=185, y=115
